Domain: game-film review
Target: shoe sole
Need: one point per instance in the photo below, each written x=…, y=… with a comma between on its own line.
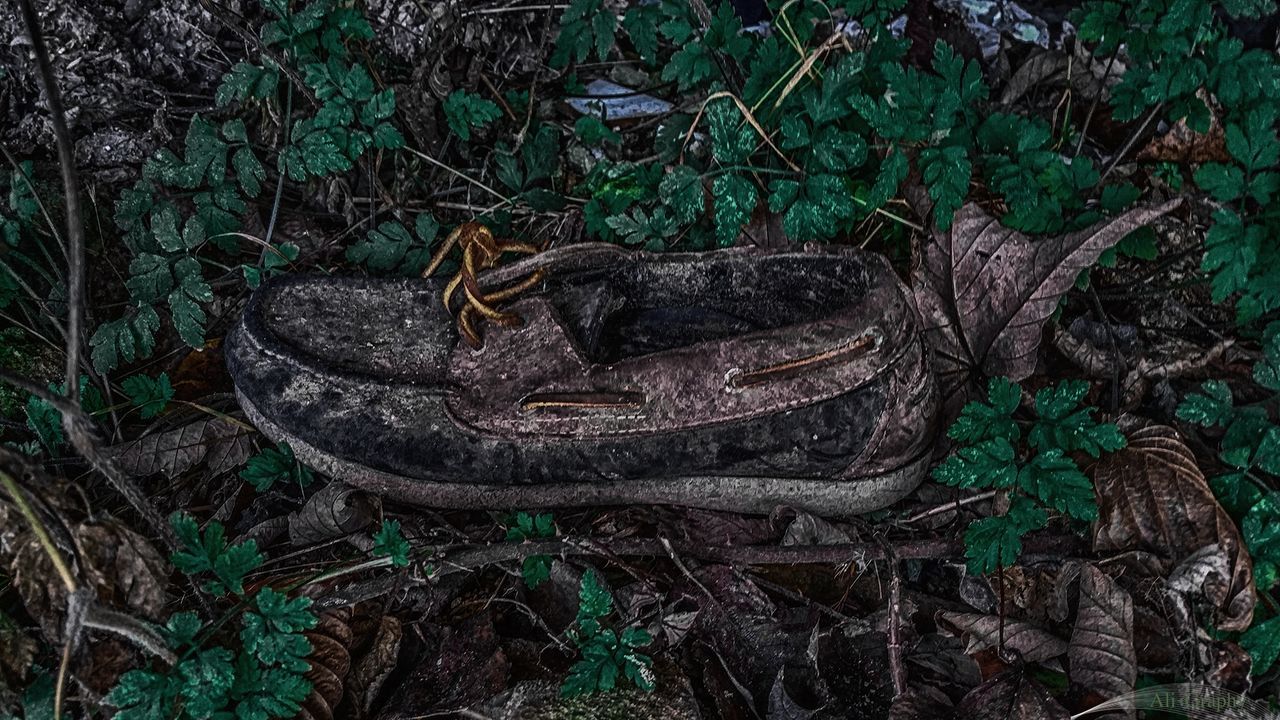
x=823, y=496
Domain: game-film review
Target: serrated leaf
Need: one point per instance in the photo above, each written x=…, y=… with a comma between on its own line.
x=388, y=542
x=1210, y=407
x=946, y=172
x=249, y=172
x=994, y=542
x=465, y=112
x=988, y=464
x=681, y=190
x=148, y=395
x=127, y=339
x=275, y=465
x=1057, y=481
x=185, y=301
x=736, y=198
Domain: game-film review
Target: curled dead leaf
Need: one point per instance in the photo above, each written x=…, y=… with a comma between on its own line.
x=1152, y=496
x=337, y=509
x=124, y=569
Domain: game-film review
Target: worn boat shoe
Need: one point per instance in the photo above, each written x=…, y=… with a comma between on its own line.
x=589, y=375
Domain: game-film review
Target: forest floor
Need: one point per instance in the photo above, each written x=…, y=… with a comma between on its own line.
x=1086, y=229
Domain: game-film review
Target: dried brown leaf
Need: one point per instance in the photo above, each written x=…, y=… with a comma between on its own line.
x=1033, y=643
x=462, y=665
x=1011, y=695
x=329, y=661
x=984, y=291
x=220, y=443
x=1152, y=496
x=1101, y=656
x=1181, y=144
x=125, y=571
x=375, y=666
x=336, y=510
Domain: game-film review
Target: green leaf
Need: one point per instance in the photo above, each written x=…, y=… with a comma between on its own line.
x=246, y=81
x=210, y=553
x=732, y=138
x=391, y=249
x=1213, y=406
x=821, y=204
x=273, y=465
x=127, y=339
x=1267, y=372
x=150, y=278
x=249, y=172
x=380, y=107
x=1065, y=426
x=594, y=133
x=388, y=542
x=893, y=170
x=1056, y=481
x=988, y=464
x=681, y=190
x=980, y=421
x=142, y=695
x=640, y=23
x=594, y=600
x=1231, y=253
x=1262, y=642
x=995, y=542
x=182, y=628
x=277, y=256
x=838, y=150
x=148, y=395
x=946, y=172
x=585, y=25
x=1261, y=530
x=185, y=299
x=1224, y=182
x=736, y=198
x=465, y=112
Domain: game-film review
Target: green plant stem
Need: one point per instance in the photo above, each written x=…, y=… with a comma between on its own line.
x=38, y=529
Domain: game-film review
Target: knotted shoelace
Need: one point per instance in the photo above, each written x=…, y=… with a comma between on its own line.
x=481, y=251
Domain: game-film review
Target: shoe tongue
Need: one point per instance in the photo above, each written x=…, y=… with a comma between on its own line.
x=584, y=309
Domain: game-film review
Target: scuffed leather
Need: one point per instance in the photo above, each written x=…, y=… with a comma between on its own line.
x=684, y=387
x=360, y=368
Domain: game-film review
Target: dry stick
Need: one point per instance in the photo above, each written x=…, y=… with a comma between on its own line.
x=1132, y=139
x=78, y=426
x=1102, y=87
x=71, y=195
x=950, y=506
x=473, y=558
x=897, y=671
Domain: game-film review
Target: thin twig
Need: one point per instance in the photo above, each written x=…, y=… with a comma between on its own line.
x=1129, y=143
x=71, y=196
x=78, y=426
x=950, y=506
x=897, y=671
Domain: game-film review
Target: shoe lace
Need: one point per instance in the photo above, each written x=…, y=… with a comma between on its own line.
x=481, y=251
